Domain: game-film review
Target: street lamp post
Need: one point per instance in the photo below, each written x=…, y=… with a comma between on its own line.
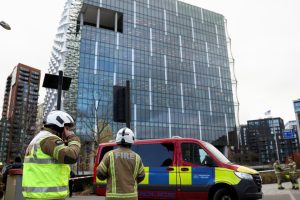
x=5, y=25
x=275, y=138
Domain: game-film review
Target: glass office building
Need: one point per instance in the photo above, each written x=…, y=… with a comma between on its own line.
x=174, y=55
x=297, y=114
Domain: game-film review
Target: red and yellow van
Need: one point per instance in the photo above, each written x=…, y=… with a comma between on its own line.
x=186, y=168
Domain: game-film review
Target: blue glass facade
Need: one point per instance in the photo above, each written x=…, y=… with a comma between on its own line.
x=174, y=55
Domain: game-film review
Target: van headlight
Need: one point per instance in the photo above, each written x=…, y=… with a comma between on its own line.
x=242, y=175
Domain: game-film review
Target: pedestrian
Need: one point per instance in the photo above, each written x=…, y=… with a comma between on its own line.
x=71, y=182
x=278, y=172
x=122, y=168
x=47, y=160
x=16, y=164
x=292, y=173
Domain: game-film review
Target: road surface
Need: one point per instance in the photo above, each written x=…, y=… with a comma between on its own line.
x=270, y=193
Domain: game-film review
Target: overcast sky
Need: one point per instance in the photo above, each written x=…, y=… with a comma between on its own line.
x=265, y=38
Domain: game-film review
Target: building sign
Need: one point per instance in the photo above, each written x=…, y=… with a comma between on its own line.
x=289, y=134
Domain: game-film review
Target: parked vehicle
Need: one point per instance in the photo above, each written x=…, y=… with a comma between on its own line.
x=186, y=168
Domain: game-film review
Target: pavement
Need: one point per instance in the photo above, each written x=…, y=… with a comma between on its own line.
x=270, y=193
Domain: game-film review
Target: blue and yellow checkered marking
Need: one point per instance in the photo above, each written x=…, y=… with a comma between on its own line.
x=185, y=176
x=158, y=175
x=193, y=176
x=203, y=176
x=146, y=179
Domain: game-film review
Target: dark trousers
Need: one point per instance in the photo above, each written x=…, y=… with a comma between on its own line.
x=70, y=188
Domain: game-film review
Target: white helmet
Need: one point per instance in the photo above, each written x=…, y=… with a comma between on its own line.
x=59, y=118
x=125, y=136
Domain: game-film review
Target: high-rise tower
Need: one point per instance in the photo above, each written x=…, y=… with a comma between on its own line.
x=174, y=55
x=19, y=111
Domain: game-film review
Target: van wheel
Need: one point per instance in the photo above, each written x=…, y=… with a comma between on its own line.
x=223, y=194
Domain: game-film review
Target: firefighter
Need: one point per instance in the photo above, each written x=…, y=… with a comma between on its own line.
x=292, y=173
x=278, y=172
x=122, y=168
x=47, y=160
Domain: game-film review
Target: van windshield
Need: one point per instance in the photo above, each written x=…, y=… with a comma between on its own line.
x=216, y=152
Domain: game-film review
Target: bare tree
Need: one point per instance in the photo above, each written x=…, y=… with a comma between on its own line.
x=97, y=122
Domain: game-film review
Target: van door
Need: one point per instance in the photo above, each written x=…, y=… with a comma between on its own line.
x=160, y=180
x=196, y=172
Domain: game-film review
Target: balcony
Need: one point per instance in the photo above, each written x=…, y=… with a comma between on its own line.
x=35, y=76
x=35, y=98
x=23, y=78
x=20, y=93
x=24, y=69
x=35, y=73
x=25, y=74
x=34, y=81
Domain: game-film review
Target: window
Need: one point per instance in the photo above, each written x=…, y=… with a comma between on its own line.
x=90, y=15
x=152, y=155
x=193, y=153
x=155, y=155
x=109, y=19
x=190, y=153
x=105, y=150
x=216, y=153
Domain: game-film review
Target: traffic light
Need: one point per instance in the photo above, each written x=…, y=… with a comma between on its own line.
x=121, y=104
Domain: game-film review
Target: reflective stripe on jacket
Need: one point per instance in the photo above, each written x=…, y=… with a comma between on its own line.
x=43, y=176
x=123, y=168
x=277, y=168
x=292, y=167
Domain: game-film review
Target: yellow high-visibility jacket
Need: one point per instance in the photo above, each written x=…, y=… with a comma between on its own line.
x=43, y=176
